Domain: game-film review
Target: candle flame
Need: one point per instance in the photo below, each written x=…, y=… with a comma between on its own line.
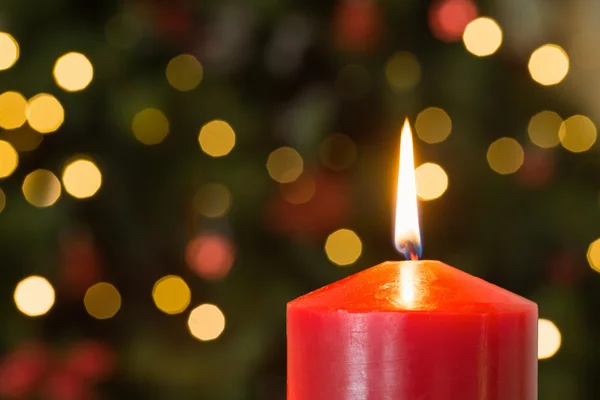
x=407, y=236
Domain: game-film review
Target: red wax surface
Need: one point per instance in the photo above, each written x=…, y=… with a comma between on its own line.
x=412, y=330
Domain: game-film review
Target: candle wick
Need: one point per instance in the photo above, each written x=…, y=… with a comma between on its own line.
x=414, y=256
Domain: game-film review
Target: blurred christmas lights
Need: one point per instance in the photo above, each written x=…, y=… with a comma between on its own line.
x=210, y=256
x=150, y=126
x=73, y=72
x=34, y=296
x=12, y=110
x=343, y=247
x=549, y=64
x=549, y=339
x=9, y=51
x=82, y=178
x=2, y=200
x=433, y=125
x=213, y=200
x=24, y=139
x=482, y=37
x=505, y=156
x=593, y=255
x=543, y=129
x=402, y=71
x=9, y=159
x=577, y=133
x=206, y=322
x=448, y=18
x=171, y=294
x=300, y=191
x=285, y=165
x=44, y=113
x=184, y=72
x=41, y=188
x=217, y=138
x=102, y=300
x=432, y=181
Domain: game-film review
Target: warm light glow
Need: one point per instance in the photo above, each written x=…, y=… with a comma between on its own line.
x=171, y=294
x=24, y=139
x=549, y=339
x=82, y=178
x=433, y=125
x=211, y=256
x=44, y=113
x=73, y=72
x=9, y=51
x=102, y=301
x=549, y=64
x=9, y=159
x=150, y=126
x=206, y=322
x=449, y=18
x=217, y=138
x=34, y=296
x=407, y=237
x=432, y=181
x=2, y=200
x=12, y=110
x=593, y=255
x=343, y=247
x=41, y=188
x=505, y=156
x=338, y=152
x=543, y=129
x=482, y=36
x=577, y=133
x=402, y=71
x=184, y=72
x=300, y=191
x=285, y=165
x=213, y=200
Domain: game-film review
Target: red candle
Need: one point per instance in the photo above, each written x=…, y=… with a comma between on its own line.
x=411, y=330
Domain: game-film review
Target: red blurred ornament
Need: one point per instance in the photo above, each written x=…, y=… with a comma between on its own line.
x=357, y=25
x=538, y=167
x=65, y=384
x=80, y=261
x=211, y=256
x=21, y=370
x=449, y=18
x=92, y=360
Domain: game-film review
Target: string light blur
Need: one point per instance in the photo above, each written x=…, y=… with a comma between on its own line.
x=593, y=255
x=34, y=296
x=549, y=64
x=338, y=152
x=448, y=18
x=44, y=113
x=171, y=294
x=433, y=125
x=300, y=191
x=12, y=110
x=285, y=165
x=9, y=51
x=73, y=72
x=343, y=247
x=82, y=178
x=150, y=126
x=9, y=159
x=505, y=156
x=102, y=300
x=41, y=188
x=217, y=138
x=206, y=322
x=210, y=256
x=213, y=200
x=577, y=133
x=432, y=181
x=482, y=37
x=2, y=200
x=184, y=72
x=549, y=339
x=543, y=129
x=403, y=71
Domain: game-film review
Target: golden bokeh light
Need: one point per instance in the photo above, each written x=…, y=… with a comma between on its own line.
x=402, y=71
x=543, y=129
x=9, y=159
x=184, y=72
x=34, y=296
x=432, y=181
x=338, y=152
x=213, y=200
x=41, y=188
x=482, y=36
x=82, y=178
x=505, y=156
x=285, y=165
x=216, y=138
x=300, y=191
x=2, y=200
x=549, y=64
x=433, y=125
x=9, y=51
x=150, y=126
x=73, y=72
x=102, y=300
x=23, y=139
x=12, y=110
x=171, y=295
x=577, y=133
x=593, y=255
x=206, y=322
x=343, y=247
x=44, y=113
x=549, y=339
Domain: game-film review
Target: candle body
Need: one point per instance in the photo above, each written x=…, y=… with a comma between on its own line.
x=414, y=330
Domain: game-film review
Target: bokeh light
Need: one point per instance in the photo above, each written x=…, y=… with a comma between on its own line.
x=433, y=125
x=210, y=256
x=12, y=110
x=549, y=64
x=216, y=138
x=213, y=200
x=44, y=113
x=82, y=178
x=300, y=191
x=34, y=296
x=402, y=71
x=171, y=294
x=23, y=139
x=206, y=322
x=549, y=339
x=543, y=129
x=285, y=165
x=448, y=18
x=41, y=188
x=593, y=255
x=343, y=247
x=432, y=181
x=505, y=156
x=482, y=37
x=9, y=51
x=150, y=126
x=102, y=300
x=577, y=133
x=9, y=159
x=184, y=72
x=338, y=152
x=73, y=72
x=2, y=200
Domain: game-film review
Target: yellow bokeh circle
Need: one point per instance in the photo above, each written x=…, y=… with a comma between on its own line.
x=73, y=72
x=82, y=178
x=402, y=71
x=505, y=156
x=44, y=113
x=150, y=126
x=41, y=188
x=543, y=129
x=549, y=339
x=217, y=138
x=343, y=247
x=184, y=72
x=12, y=110
x=171, y=294
x=102, y=300
x=431, y=180
x=549, y=64
x=9, y=159
x=482, y=36
x=285, y=165
x=206, y=322
x=433, y=125
x=9, y=51
x=34, y=296
x=577, y=133
x=593, y=255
